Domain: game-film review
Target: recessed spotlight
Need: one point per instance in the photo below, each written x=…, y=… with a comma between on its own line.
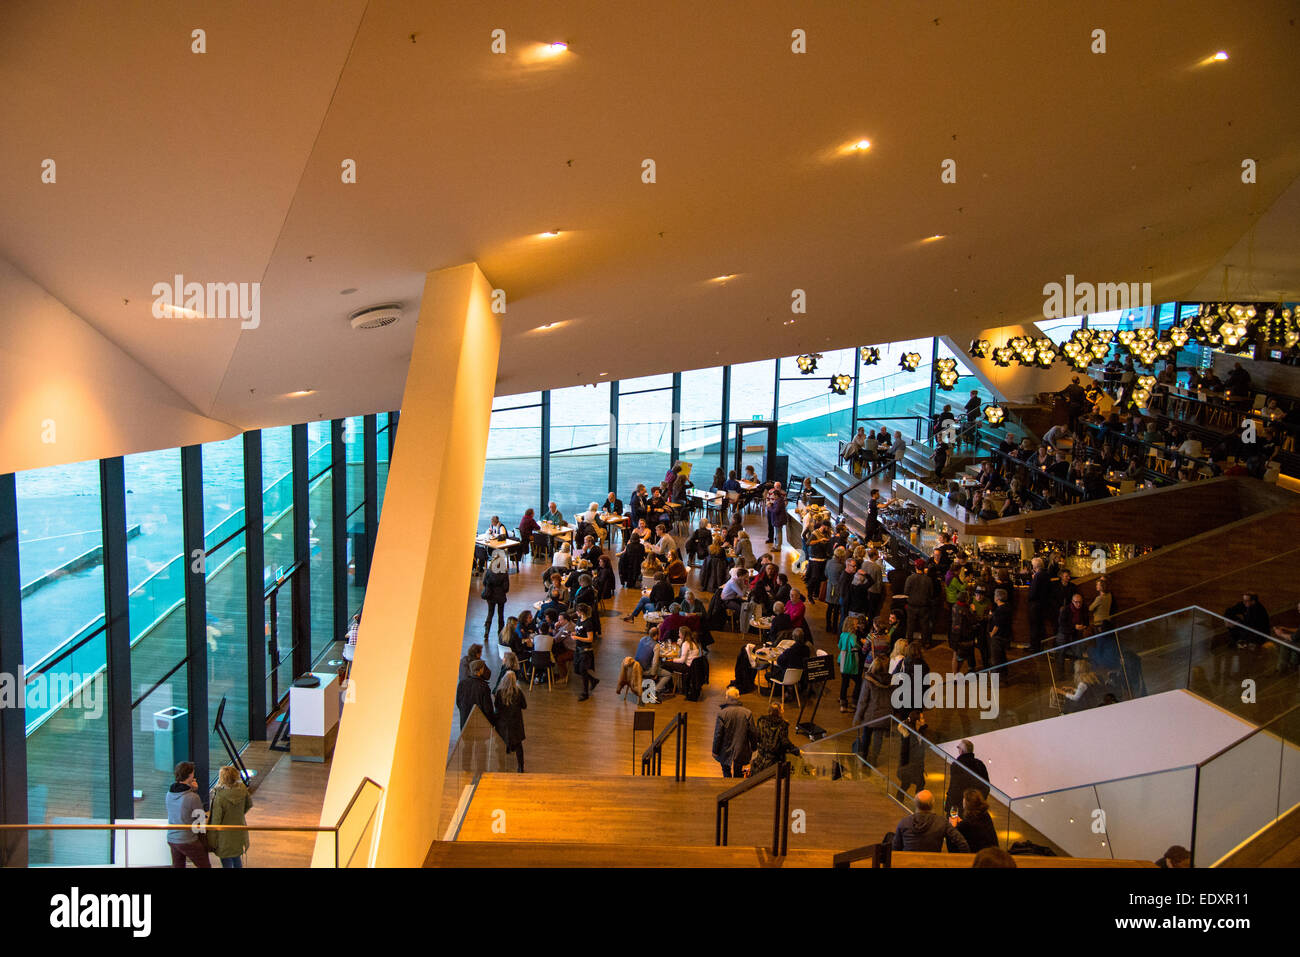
x=604, y=373
x=1221, y=55
x=933, y=239
x=862, y=146
x=300, y=393
x=551, y=233
x=547, y=327
x=722, y=279
x=558, y=47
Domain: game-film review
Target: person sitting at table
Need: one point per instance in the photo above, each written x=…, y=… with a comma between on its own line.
x=697, y=546
x=688, y=650
x=1154, y=433
x=658, y=596
x=760, y=594
x=604, y=577
x=781, y=591
x=612, y=505
x=657, y=508
x=553, y=514
x=733, y=482
x=674, y=619
x=719, y=480
x=691, y=604
x=714, y=573
x=853, y=451
x=780, y=620
x=677, y=492
x=496, y=531
x=527, y=526
x=562, y=646
x=638, y=502
x=521, y=635
x=675, y=570
x=642, y=532
x=553, y=602
x=736, y=589
x=750, y=475
x=585, y=592
x=630, y=560
x=665, y=545
x=744, y=551
x=1191, y=447
x=1088, y=689
x=795, y=609
x=563, y=557
x=591, y=552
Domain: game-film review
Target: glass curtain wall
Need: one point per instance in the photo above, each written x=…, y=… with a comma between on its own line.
x=354, y=435
x=156, y=569
x=645, y=432
x=381, y=459
x=224, y=530
x=277, y=557
x=752, y=391
x=512, y=475
x=320, y=498
x=579, y=446
x=64, y=650
x=701, y=424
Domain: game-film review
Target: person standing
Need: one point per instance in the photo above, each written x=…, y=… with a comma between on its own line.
x=920, y=591
x=473, y=691
x=850, y=664
x=496, y=585
x=873, y=516
x=230, y=802
x=899, y=449
x=1000, y=635
x=967, y=772
x=775, y=507
x=185, y=808
x=773, y=739
x=510, y=704
x=1040, y=598
x=873, y=710
x=734, y=736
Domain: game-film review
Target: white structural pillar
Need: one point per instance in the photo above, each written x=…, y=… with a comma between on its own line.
x=397, y=721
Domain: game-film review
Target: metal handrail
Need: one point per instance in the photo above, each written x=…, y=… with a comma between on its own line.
x=304, y=828
x=880, y=854
x=653, y=759
x=858, y=484
x=1068, y=485
x=781, y=810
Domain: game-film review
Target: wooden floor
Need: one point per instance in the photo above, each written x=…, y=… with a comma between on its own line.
x=290, y=793
x=607, y=809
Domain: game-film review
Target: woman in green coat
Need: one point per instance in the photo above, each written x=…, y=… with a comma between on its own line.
x=230, y=801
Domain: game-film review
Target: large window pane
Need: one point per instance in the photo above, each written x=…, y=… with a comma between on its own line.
x=320, y=497
x=813, y=418
x=65, y=689
x=579, y=446
x=227, y=593
x=354, y=445
x=645, y=432
x=381, y=456
x=751, y=397
x=513, y=471
x=156, y=579
x=277, y=546
x=701, y=422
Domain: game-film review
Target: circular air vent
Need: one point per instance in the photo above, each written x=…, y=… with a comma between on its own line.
x=376, y=317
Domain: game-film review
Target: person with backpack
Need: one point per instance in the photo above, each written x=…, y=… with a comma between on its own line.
x=773, y=739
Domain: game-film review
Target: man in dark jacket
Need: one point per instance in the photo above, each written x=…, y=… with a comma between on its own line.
x=927, y=831
x=968, y=772
x=473, y=691
x=1040, y=599
x=496, y=585
x=1251, y=613
x=735, y=736
x=920, y=592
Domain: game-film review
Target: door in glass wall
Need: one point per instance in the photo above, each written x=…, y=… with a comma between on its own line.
x=752, y=385
x=64, y=650
x=277, y=620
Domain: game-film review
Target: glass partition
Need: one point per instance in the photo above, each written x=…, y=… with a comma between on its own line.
x=579, y=447
x=512, y=475
x=645, y=432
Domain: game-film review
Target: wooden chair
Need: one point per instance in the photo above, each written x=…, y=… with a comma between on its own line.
x=544, y=661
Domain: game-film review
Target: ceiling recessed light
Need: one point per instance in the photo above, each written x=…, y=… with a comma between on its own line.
x=933, y=239
x=862, y=146
x=1221, y=55
x=558, y=47
x=551, y=233
x=604, y=373
x=299, y=393
x=726, y=278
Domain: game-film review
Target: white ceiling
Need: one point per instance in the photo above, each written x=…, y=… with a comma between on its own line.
x=225, y=166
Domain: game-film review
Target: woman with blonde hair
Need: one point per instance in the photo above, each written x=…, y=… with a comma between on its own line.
x=230, y=801
x=744, y=550
x=1088, y=688
x=509, y=665
x=510, y=704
